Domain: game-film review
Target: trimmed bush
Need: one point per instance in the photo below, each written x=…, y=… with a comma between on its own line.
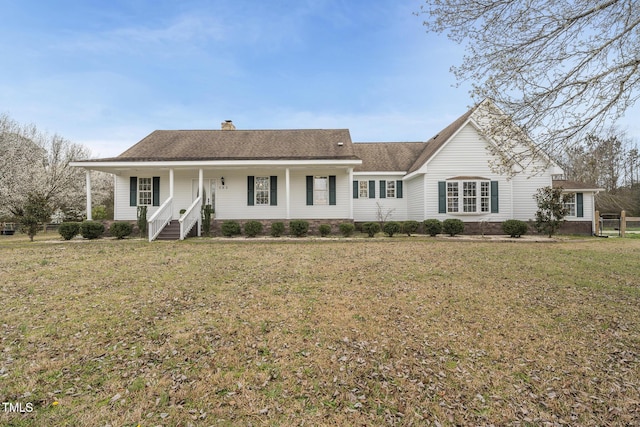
x=120, y=229
x=410, y=227
x=514, y=227
x=298, y=227
x=432, y=227
x=324, y=229
x=230, y=228
x=91, y=229
x=347, y=229
x=392, y=227
x=371, y=228
x=69, y=230
x=252, y=228
x=277, y=229
x=452, y=226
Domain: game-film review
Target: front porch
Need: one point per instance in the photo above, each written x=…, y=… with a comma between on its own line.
x=262, y=192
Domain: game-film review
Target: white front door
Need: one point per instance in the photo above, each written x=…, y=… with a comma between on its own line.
x=209, y=191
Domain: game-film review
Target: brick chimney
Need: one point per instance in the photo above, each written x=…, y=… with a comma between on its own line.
x=228, y=125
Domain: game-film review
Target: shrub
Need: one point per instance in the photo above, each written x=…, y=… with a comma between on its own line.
x=324, y=229
x=91, y=229
x=298, y=227
x=277, y=229
x=514, y=227
x=452, y=226
x=230, y=228
x=252, y=228
x=410, y=227
x=552, y=209
x=69, y=230
x=432, y=227
x=347, y=229
x=371, y=228
x=392, y=227
x=142, y=220
x=120, y=229
x=99, y=212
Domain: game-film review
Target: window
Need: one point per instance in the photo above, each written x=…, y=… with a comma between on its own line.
x=363, y=191
x=145, y=193
x=391, y=189
x=262, y=190
x=320, y=190
x=452, y=196
x=470, y=197
x=570, y=204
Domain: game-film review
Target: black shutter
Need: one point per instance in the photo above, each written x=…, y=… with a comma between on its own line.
x=579, y=205
x=309, y=190
x=250, y=184
x=133, y=191
x=273, y=190
x=399, y=189
x=356, y=189
x=442, y=197
x=383, y=189
x=494, y=197
x=332, y=189
x=372, y=189
x=156, y=191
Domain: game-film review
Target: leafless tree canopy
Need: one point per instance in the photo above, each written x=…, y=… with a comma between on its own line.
x=560, y=68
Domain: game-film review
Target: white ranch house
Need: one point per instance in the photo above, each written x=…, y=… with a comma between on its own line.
x=321, y=176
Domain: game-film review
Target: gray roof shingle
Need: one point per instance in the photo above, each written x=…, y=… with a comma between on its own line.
x=387, y=156
x=302, y=144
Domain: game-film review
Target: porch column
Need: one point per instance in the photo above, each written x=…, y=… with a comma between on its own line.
x=171, y=183
x=88, y=177
x=287, y=187
x=350, y=193
x=200, y=185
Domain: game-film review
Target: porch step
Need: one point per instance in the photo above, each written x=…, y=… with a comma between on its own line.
x=170, y=232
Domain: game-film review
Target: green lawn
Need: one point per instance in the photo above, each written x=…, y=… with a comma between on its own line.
x=402, y=331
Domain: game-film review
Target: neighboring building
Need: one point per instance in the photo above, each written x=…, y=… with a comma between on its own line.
x=321, y=176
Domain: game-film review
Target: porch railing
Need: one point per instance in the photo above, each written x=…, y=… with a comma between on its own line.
x=190, y=217
x=160, y=218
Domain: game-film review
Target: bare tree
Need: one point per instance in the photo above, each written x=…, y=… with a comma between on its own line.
x=561, y=69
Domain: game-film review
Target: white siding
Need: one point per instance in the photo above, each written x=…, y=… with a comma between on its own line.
x=466, y=155
x=122, y=210
x=366, y=209
x=415, y=198
x=231, y=199
x=299, y=208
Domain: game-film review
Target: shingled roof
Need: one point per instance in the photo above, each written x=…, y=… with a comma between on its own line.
x=387, y=156
x=303, y=144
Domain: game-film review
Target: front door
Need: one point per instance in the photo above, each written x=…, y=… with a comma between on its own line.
x=209, y=191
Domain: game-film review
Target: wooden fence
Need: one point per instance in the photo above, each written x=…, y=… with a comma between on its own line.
x=623, y=223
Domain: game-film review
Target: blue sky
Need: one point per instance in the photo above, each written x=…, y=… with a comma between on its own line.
x=107, y=73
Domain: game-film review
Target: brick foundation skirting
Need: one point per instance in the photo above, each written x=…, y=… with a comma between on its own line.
x=216, y=225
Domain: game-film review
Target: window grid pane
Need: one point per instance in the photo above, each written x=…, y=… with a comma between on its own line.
x=320, y=190
x=262, y=190
x=469, y=196
x=144, y=191
x=570, y=205
x=484, y=197
x=391, y=189
x=452, y=197
x=364, y=189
